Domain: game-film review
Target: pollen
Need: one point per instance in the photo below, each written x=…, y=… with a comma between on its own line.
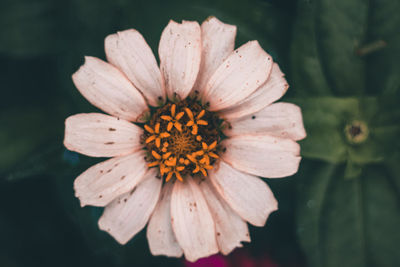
x=182, y=139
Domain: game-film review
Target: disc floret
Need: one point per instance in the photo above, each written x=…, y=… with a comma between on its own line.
x=182, y=138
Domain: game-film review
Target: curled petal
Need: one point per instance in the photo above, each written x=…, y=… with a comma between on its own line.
x=273, y=89
x=238, y=76
x=129, y=52
x=192, y=221
x=161, y=238
x=246, y=194
x=279, y=119
x=230, y=227
x=100, y=135
x=128, y=214
x=107, y=88
x=180, y=55
x=218, y=42
x=105, y=181
x=262, y=155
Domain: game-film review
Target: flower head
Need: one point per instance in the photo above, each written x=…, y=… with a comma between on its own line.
x=186, y=140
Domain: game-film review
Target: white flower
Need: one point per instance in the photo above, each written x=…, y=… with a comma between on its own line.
x=191, y=169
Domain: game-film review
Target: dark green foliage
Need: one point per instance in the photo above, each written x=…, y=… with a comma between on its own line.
x=342, y=62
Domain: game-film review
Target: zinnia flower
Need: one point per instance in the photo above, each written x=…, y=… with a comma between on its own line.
x=187, y=140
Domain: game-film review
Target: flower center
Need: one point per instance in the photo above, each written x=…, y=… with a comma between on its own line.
x=182, y=138
x=356, y=132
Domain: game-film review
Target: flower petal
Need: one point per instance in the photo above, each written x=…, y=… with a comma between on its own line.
x=262, y=155
x=105, y=181
x=192, y=221
x=129, y=213
x=273, y=89
x=100, y=135
x=280, y=119
x=218, y=42
x=240, y=75
x=180, y=55
x=129, y=52
x=160, y=235
x=107, y=88
x=246, y=194
x=230, y=228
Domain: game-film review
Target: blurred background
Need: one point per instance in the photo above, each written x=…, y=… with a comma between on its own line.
x=342, y=61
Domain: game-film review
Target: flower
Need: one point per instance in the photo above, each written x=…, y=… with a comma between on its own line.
x=187, y=140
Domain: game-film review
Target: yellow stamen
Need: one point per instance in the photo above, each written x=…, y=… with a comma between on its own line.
x=199, y=153
x=204, y=145
x=166, y=118
x=158, y=142
x=178, y=126
x=166, y=155
x=201, y=122
x=151, y=138
x=155, y=154
x=179, y=116
x=148, y=128
x=212, y=154
x=152, y=164
x=198, y=138
x=180, y=168
x=157, y=128
x=171, y=162
x=164, y=135
x=169, y=176
x=213, y=145
x=201, y=114
x=178, y=176
x=195, y=129
x=191, y=158
x=169, y=127
x=190, y=114
x=173, y=109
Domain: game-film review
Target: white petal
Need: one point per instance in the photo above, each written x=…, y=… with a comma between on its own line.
x=280, y=119
x=160, y=235
x=180, y=55
x=218, y=42
x=103, y=182
x=107, y=88
x=129, y=52
x=248, y=195
x=230, y=228
x=240, y=75
x=273, y=89
x=192, y=222
x=128, y=214
x=262, y=155
x=100, y=135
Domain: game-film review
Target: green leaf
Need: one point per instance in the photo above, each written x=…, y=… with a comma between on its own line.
x=345, y=222
x=340, y=29
x=307, y=75
x=326, y=118
x=383, y=65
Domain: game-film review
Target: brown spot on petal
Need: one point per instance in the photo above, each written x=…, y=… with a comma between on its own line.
x=109, y=143
x=112, y=129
